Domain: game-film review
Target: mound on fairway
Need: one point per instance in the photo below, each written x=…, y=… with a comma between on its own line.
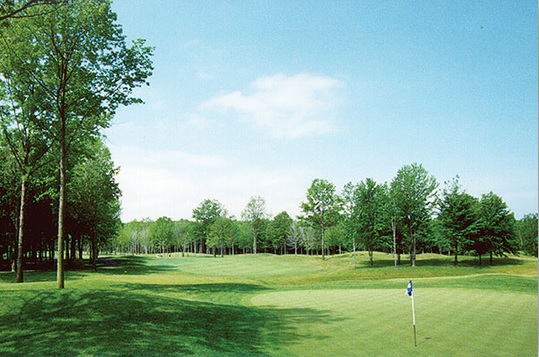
x=273, y=305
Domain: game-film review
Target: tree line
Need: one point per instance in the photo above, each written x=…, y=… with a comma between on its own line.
x=65, y=68
x=408, y=215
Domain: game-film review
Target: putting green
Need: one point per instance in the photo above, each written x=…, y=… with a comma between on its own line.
x=450, y=322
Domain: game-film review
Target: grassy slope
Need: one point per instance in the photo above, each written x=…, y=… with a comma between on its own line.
x=258, y=305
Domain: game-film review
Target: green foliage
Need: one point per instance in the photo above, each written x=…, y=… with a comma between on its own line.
x=527, y=233
x=162, y=233
x=278, y=230
x=458, y=219
x=323, y=207
x=94, y=201
x=497, y=227
x=413, y=190
x=255, y=213
x=221, y=234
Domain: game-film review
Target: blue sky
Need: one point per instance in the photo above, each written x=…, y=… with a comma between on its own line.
x=258, y=98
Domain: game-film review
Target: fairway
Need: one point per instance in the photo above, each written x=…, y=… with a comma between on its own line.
x=273, y=305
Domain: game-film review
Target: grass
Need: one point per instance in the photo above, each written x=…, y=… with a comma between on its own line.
x=268, y=305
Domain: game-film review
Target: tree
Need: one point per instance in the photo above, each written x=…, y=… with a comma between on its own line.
x=162, y=233
x=350, y=202
x=414, y=193
x=255, y=213
x=95, y=198
x=22, y=136
x=527, y=233
x=83, y=72
x=221, y=233
x=496, y=227
x=458, y=218
x=183, y=230
x=322, y=208
x=294, y=236
x=279, y=229
x=10, y=9
x=369, y=215
x=205, y=214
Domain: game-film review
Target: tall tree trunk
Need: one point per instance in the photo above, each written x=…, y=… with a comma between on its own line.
x=394, y=228
x=323, y=244
x=20, y=245
x=61, y=206
x=412, y=235
x=254, y=243
x=355, y=257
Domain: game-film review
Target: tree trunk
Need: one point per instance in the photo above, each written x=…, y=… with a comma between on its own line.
x=394, y=229
x=323, y=244
x=254, y=243
x=413, y=248
x=20, y=245
x=355, y=257
x=61, y=206
x=371, y=261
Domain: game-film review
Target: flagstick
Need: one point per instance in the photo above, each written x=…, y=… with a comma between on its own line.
x=413, y=320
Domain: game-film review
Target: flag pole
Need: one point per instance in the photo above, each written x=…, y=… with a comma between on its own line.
x=413, y=320
x=410, y=293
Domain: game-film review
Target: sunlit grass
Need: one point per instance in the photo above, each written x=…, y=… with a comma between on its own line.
x=273, y=305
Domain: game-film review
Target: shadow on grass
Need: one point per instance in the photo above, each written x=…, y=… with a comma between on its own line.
x=139, y=322
x=133, y=265
x=128, y=265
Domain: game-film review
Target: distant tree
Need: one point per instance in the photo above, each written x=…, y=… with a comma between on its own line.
x=243, y=235
x=183, y=231
x=414, y=192
x=322, y=208
x=309, y=238
x=336, y=235
x=255, y=213
x=221, y=233
x=370, y=216
x=205, y=214
x=294, y=237
x=351, y=228
x=458, y=218
x=497, y=234
x=278, y=230
x=527, y=233
x=163, y=233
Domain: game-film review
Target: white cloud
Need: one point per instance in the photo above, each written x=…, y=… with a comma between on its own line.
x=159, y=183
x=287, y=106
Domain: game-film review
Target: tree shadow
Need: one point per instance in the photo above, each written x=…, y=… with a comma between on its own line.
x=140, y=322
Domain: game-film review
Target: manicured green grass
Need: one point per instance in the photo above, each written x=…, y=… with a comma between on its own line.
x=273, y=305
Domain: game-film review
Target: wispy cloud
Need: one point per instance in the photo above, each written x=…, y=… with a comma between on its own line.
x=289, y=107
x=171, y=183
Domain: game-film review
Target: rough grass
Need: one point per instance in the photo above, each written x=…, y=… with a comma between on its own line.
x=273, y=305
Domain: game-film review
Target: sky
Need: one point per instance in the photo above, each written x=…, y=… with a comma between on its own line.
x=259, y=98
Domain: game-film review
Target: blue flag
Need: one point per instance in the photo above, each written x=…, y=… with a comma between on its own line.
x=409, y=290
